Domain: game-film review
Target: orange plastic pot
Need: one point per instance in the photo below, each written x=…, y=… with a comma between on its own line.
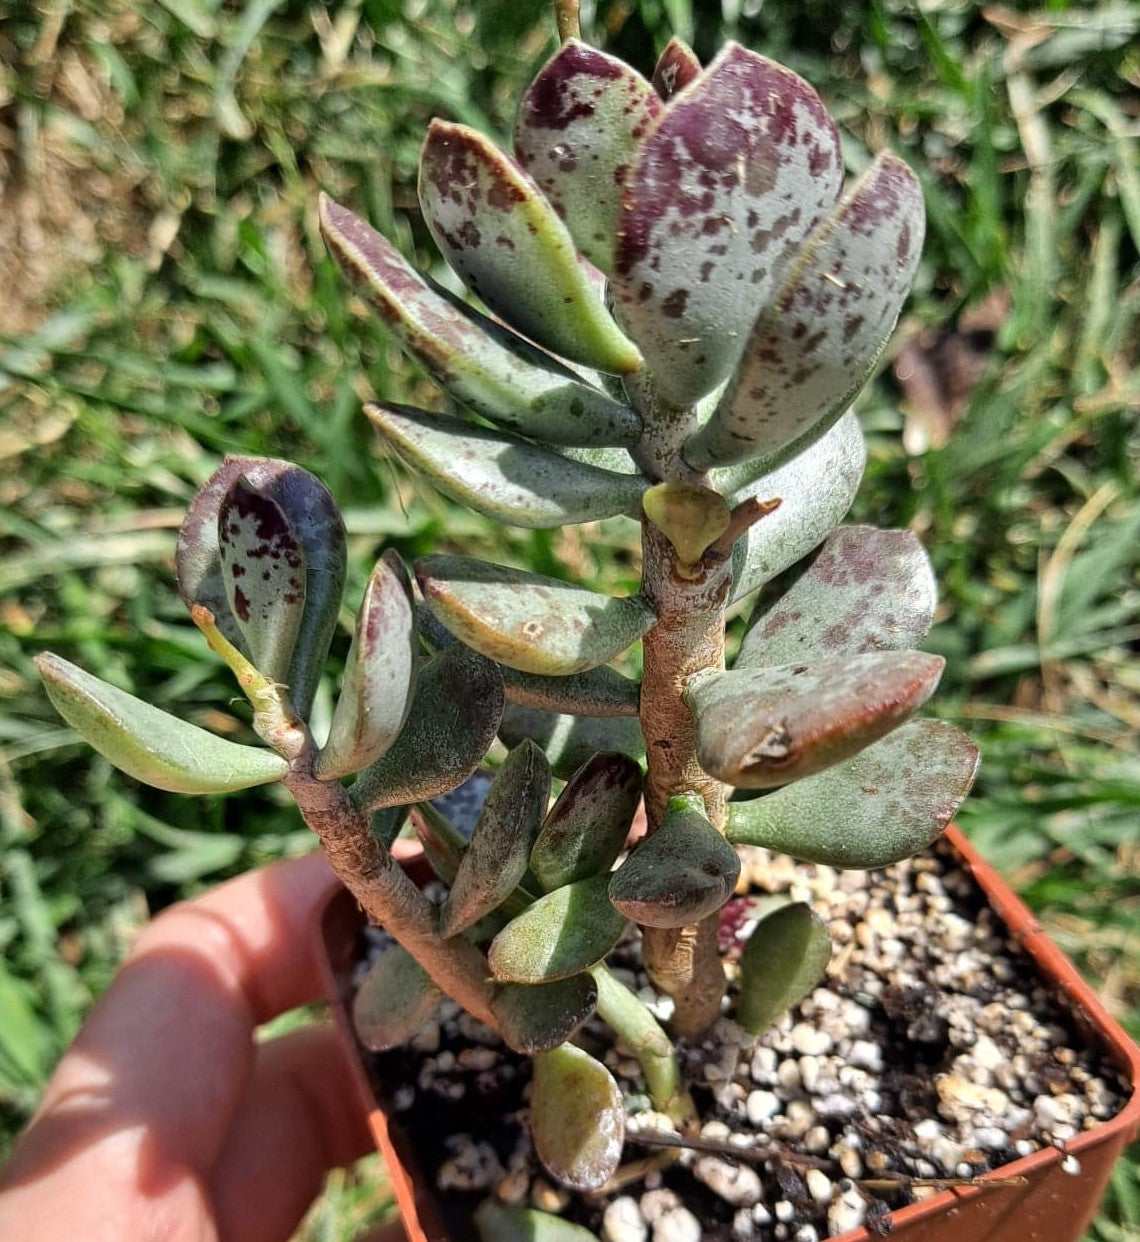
x=1054, y=1200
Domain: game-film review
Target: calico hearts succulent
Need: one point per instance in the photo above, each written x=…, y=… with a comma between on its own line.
x=680, y=297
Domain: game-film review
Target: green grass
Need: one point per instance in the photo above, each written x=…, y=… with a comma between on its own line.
x=173, y=302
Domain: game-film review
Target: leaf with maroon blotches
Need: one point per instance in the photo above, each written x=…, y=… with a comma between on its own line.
x=676, y=67
x=576, y=1117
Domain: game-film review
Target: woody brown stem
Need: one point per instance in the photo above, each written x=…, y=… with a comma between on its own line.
x=567, y=16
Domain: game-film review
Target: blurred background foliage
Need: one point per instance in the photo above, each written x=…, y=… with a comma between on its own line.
x=167, y=300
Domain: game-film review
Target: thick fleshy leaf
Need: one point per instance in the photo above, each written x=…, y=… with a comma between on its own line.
x=480, y=363
x=888, y=802
x=564, y=932
x=737, y=172
x=497, y=1222
x=526, y=621
x=569, y=741
x=263, y=567
x=784, y=959
x=534, y=1017
x=680, y=874
x=508, y=245
x=379, y=674
x=496, y=859
x=761, y=727
x=816, y=343
x=501, y=475
x=616, y=460
x=453, y=719
x=314, y=518
x=690, y=517
x=866, y=590
x=600, y=691
x=576, y=1117
x=396, y=998
x=148, y=744
x=577, y=133
x=676, y=67
x=815, y=489
x=588, y=825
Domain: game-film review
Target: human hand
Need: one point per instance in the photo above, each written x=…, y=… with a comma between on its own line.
x=166, y=1120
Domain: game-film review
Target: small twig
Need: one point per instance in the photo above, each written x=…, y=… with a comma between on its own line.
x=569, y=21
x=746, y=514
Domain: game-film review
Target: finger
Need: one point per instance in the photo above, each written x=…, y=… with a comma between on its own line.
x=300, y=1117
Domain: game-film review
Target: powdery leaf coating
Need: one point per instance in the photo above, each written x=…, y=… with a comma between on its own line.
x=453, y=719
x=497, y=1222
x=476, y=360
x=785, y=958
x=576, y=1117
x=569, y=741
x=815, y=489
x=679, y=875
x=535, y=1017
x=379, y=674
x=577, y=132
x=676, y=67
x=761, y=727
x=563, y=933
x=866, y=590
x=816, y=343
x=496, y=858
x=396, y=998
x=886, y=803
x=148, y=744
x=527, y=621
x=502, y=476
x=317, y=524
x=737, y=172
x=600, y=691
x=508, y=245
x=587, y=827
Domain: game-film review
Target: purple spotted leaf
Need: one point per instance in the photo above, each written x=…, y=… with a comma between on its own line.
x=577, y=133
x=481, y=364
x=527, y=621
x=676, y=67
x=587, y=827
x=396, y=998
x=317, y=525
x=815, y=489
x=510, y=248
x=576, y=1117
x=561, y=934
x=678, y=875
x=886, y=803
x=379, y=674
x=601, y=691
x=730, y=182
x=496, y=859
x=535, y=1017
x=866, y=590
x=500, y=1222
x=568, y=740
x=151, y=745
x=453, y=719
x=817, y=341
x=761, y=727
x=785, y=958
x=501, y=475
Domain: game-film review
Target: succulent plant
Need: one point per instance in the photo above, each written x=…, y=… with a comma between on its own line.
x=681, y=296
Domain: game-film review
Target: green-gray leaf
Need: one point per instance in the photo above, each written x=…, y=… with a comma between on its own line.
x=588, y=825
x=453, y=719
x=576, y=1117
x=565, y=932
x=149, y=744
x=496, y=858
x=527, y=621
x=570, y=740
x=785, y=958
x=534, y=1017
x=866, y=590
x=600, y=691
x=503, y=476
x=761, y=727
x=888, y=802
x=679, y=875
x=497, y=1222
x=396, y=998
x=379, y=674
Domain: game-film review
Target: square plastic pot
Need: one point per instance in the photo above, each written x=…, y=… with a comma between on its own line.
x=1054, y=1202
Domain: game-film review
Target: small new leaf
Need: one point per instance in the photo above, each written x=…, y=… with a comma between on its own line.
x=690, y=517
